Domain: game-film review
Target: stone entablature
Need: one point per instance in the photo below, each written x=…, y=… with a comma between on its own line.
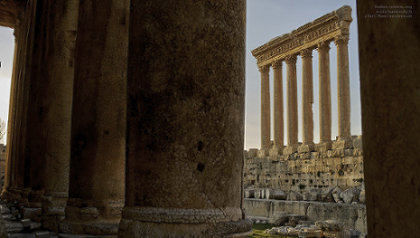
x=326, y=28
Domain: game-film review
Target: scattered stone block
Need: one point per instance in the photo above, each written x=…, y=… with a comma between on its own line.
x=342, y=144
x=294, y=196
x=362, y=196
x=14, y=227
x=350, y=195
x=335, y=192
x=276, y=194
x=329, y=225
x=357, y=142
x=249, y=193
x=32, y=213
x=42, y=234
x=26, y=223
x=290, y=149
x=310, y=233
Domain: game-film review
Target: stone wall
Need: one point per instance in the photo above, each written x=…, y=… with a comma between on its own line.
x=314, y=176
x=316, y=186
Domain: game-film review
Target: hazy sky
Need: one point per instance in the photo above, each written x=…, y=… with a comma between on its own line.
x=6, y=58
x=266, y=19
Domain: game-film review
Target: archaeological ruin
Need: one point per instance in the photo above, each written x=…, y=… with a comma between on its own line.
x=126, y=119
x=305, y=180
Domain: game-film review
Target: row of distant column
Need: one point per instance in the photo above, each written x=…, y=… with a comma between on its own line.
x=307, y=99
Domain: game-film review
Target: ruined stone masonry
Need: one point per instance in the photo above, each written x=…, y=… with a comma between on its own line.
x=303, y=179
x=182, y=133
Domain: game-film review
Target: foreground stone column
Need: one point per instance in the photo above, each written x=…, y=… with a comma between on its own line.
x=390, y=99
x=292, y=110
x=185, y=120
x=343, y=92
x=265, y=108
x=96, y=193
x=278, y=105
x=324, y=97
x=307, y=101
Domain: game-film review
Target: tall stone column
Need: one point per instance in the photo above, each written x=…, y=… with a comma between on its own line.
x=278, y=105
x=292, y=110
x=307, y=102
x=16, y=166
x=47, y=148
x=185, y=120
x=265, y=108
x=343, y=91
x=324, y=96
x=97, y=167
x=8, y=178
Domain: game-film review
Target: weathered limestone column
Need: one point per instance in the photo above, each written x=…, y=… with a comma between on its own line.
x=292, y=108
x=343, y=91
x=14, y=188
x=97, y=168
x=47, y=148
x=390, y=99
x=185, y=119
x=324, y=97
x=8, y=178
x=278, y=105
x=307, y=101
x=265, y=108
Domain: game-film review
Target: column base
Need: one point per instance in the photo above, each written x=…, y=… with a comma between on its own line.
x=290, y=149
x=323, y=147
x=172, y=222
x=262, y=153
x=342, y=143
x=53, y=210
x=306, y=147
x=276, y=151
x=97, y=227
x=90, y=217
x=19, y=195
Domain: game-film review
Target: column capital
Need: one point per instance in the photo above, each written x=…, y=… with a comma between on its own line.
x=324, y=46
x=291, y=59
x=277, y=64
x=264, y=68
x=306, y=53
x=342, y=39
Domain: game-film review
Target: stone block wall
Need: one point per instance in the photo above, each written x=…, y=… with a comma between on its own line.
x=334, y=175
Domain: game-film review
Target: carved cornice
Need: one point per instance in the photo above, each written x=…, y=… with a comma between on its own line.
x=325, y=28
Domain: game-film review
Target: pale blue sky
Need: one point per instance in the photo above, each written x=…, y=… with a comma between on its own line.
x=6, y=58
x=266, y=19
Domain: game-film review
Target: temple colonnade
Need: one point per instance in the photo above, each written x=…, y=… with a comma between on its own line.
x=316, y=35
